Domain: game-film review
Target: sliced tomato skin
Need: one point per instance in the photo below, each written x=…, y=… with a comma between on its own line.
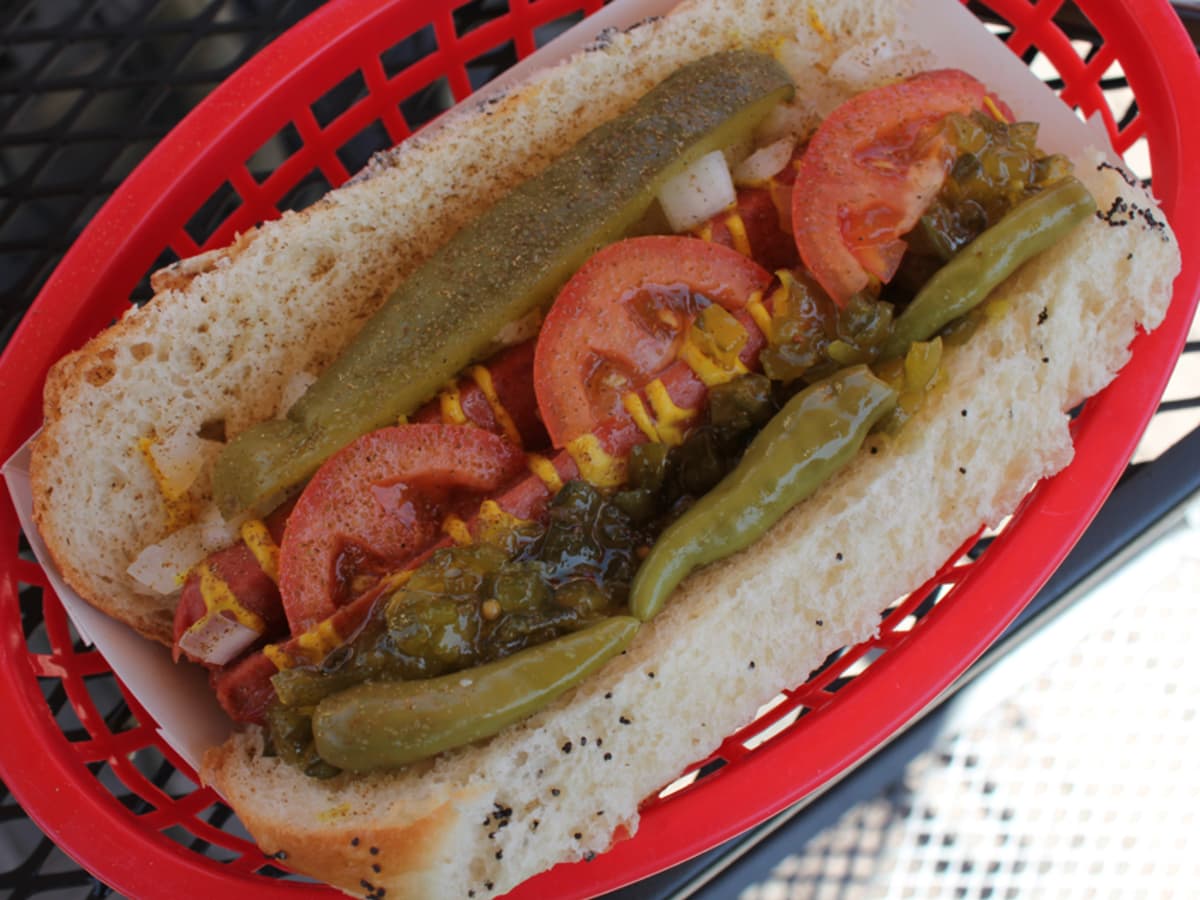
x=870, y=171
x=597, y=344
x=381, y=495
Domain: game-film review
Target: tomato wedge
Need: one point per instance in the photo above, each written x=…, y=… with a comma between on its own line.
x=621, y=319
x=870, y=172
x=376, y=503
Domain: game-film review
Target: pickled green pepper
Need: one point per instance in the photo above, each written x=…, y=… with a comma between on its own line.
x=1032, y=226
x=383, y=724
x=817, y=432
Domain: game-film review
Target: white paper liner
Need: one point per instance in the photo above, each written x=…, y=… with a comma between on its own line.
x=177, y=696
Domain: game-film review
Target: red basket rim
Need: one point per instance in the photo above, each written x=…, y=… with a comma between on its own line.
x=671, y=832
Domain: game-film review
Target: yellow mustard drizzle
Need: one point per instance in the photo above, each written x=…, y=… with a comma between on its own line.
x=994, y=109
x=705, y=232
x=760, y=315
x=179, y=506
x=711, y=347
x=495, y=522
x=218, y=598
x=637, y=410
x=457, y=529
x=672, y=419
x=254, y=532
x=815, y=23
x=483, y=378
x=544, y=469
x=596, y=465
x=737, y=231
x=315, y=644
x=450, y=402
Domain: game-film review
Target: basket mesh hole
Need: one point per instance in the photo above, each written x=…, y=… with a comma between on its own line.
x=272, y=154
x=143, y=292
x=486, y=66
x=468, y=18
x=397, y=58
x=32, y=625
x=64, y=713
x=309, y=189
x=1043, y=68
x=777, y=727
x=110, y=703
x=156, y=768
x=544, y=34
x=339, y=98
x=693, y=777
x=854, y=668
x=132, y=801
x=1137, y=157
x=427, y=103
x=355, y=153
x=215, y=210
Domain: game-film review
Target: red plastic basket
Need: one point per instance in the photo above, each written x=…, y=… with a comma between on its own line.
x=93, y=796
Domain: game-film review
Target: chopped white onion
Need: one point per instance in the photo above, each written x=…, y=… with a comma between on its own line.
x=698, y=193
x=180, y=457
x=801, y=60
x=864, y=66
x=764, y=162
x=216, y=639
x=523, y=329
x=162, y=566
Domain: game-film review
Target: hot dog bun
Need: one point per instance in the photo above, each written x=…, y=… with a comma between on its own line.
x=227, y=332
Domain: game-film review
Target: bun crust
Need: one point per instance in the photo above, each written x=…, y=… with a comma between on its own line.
x=213, y=345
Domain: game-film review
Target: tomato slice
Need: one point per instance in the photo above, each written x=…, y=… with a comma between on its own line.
x=870, y=172
x=621, y=319
x=379, y=501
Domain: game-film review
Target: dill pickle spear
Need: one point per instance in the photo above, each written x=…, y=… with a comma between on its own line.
x=391, y=723
x=503, y=265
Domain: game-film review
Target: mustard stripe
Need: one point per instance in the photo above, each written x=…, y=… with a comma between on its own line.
x=396, y=580
x=637, y=409
x=596, y=465
x=737, y=231
x=219, y=597
x=759, y=313
x=705, y=368
x=457, y=529
x=451, y=405
x=179, y=506
x=544, y=469
x=317, y=642
x=814, y=22
x=278, y=658
x=994, y=110
x=258, y=538
x=672, y=419
x=495, y=523
x=483, y=378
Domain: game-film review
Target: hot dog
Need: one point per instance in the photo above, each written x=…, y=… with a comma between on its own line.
x=741, y=610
